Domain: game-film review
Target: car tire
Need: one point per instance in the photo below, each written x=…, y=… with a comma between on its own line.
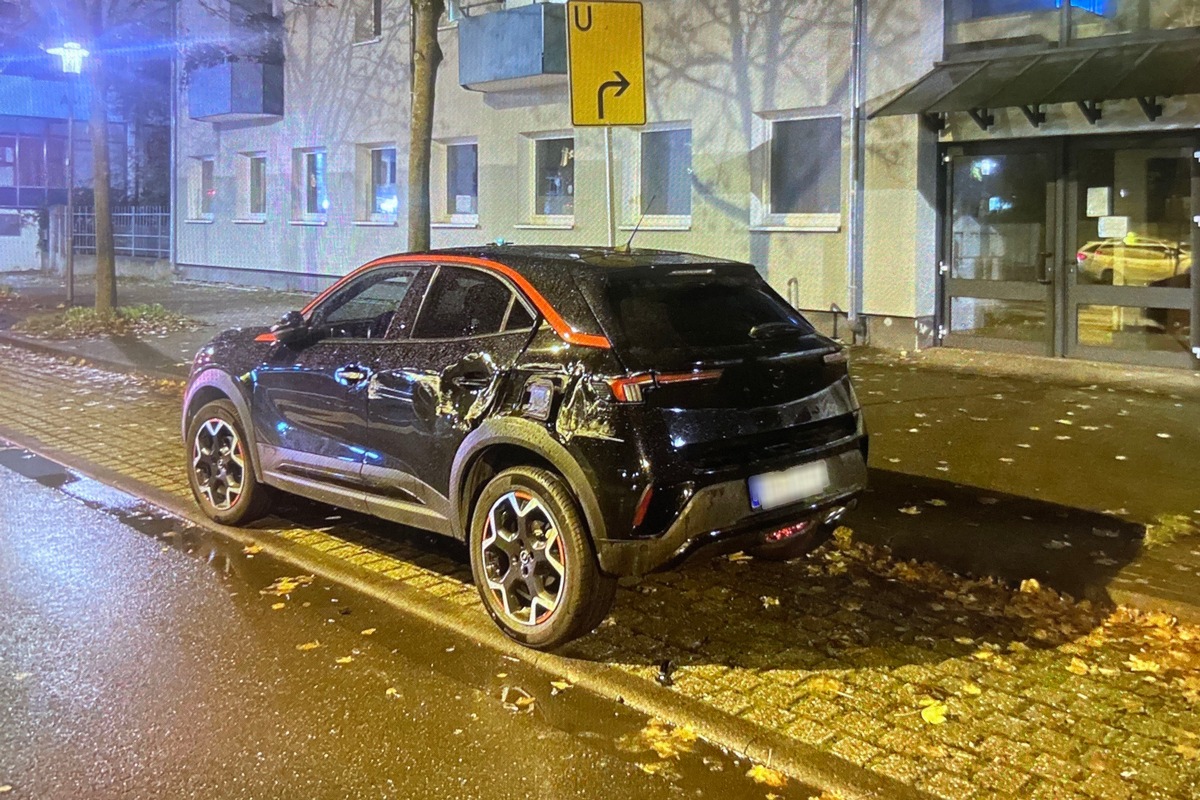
x=794, y=548
x=1106, y=277
x=220, y=466
x=533, y=562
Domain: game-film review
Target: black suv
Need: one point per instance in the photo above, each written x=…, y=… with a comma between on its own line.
x=572, y=414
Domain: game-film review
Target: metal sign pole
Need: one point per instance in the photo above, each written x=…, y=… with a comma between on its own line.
x=608, y=178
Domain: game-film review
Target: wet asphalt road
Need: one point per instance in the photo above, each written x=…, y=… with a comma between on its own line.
x=139, y=658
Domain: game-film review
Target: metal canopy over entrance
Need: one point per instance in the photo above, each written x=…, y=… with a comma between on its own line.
x=1083, y=75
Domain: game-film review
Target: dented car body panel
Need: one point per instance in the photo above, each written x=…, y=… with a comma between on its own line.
x=400, y=390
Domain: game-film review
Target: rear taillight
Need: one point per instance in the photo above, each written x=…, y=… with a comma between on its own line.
x=1081, y=256
x=639, y=516
x=630, y=388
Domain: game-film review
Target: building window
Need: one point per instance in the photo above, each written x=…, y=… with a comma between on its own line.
x=56, y=162
x=258, y=185
x=462, y=181
x=978, y=9
x=8, y=161
x=383, y=200
x=208, y=189
x=554, y=177
x=202, y=190
x=805, y=168
x=666, y=173
x=252, y=187
x=368, y=20
x=311, y=197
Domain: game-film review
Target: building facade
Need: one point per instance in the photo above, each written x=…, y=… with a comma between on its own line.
x=1014, y=175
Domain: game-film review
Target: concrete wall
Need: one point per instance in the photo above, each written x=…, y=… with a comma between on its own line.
x=727, y=68
x=20, y=253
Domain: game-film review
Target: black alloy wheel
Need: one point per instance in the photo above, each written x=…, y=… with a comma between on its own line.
x=220, y=469
x=533, y=562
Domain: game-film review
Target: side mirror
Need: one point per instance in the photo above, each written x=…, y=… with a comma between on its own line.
x=291, y=328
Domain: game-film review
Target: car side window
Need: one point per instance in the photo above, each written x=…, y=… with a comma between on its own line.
x=462, y=302
x=364, y=309
x=519, y=317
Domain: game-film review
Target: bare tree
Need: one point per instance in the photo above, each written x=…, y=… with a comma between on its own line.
x=427, y=57
x=120, y=35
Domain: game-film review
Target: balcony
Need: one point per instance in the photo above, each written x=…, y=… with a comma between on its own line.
x=234, y=72
x=517, y=48
x=237, y=91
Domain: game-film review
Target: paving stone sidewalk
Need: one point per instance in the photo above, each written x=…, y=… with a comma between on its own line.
x=962, y=688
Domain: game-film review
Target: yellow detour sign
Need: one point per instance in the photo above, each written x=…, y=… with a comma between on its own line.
x=608, y=71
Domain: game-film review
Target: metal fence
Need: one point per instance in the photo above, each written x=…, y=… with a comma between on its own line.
x=138, y=231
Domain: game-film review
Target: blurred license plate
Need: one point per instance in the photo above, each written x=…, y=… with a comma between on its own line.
x=774, y=489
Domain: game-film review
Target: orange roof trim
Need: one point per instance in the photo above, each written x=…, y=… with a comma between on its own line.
x=560, y=326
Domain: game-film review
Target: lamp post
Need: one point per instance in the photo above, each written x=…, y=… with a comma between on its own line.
x=71, y=55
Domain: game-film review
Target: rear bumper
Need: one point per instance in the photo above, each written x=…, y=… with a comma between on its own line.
x=719, y=517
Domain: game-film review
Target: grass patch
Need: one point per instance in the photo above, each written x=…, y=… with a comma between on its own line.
x=84, y=323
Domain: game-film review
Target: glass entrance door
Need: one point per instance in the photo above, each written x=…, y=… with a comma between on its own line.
x=1129, y=291
x=999, y=247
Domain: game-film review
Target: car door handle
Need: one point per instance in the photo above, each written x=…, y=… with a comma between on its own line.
x=472, y=380
x=350, y=375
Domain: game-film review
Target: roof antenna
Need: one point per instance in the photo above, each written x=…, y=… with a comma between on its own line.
x=625, y=248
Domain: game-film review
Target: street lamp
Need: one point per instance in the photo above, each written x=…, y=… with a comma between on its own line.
x=71, y=54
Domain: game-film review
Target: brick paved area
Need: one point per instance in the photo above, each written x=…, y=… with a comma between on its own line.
x=851, y=651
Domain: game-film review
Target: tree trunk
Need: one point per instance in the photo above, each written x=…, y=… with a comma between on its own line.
x=427, y=56
x=106, y=268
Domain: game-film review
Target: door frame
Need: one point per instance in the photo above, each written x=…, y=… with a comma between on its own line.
x=1044, y=290
x=1075, y=294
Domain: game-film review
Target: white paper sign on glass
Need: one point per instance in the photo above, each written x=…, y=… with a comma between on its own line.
x=1114, y=227
x=1099, y=201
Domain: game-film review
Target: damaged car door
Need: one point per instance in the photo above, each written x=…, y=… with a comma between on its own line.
x=309, y=400
x=432, y=387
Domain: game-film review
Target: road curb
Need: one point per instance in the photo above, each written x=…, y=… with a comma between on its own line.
x=802, y=762
x=47, y=349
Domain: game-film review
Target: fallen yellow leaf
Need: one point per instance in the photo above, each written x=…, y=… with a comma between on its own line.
x=1188, y=752
x=972, y=689
x=1077, y=667
x=277, y=606
x=344, y=659
x=767, y=776
x=934, y=713
x=313, y=645
x=391, y=692
x=283, y=586
x=252, y=549
x=1142, y=664
x=560, y=686
x=368, y=631
x=822, y=684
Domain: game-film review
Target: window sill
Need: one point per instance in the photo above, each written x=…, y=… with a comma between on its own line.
x=795, y=228
x=199, y=221
x=681, y=227
x=454, y=225
x=315, y=223
x=249, y=221
x=372, y=223
x=546, y=226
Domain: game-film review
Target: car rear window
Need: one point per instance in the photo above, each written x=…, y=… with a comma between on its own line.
x=695, y=313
